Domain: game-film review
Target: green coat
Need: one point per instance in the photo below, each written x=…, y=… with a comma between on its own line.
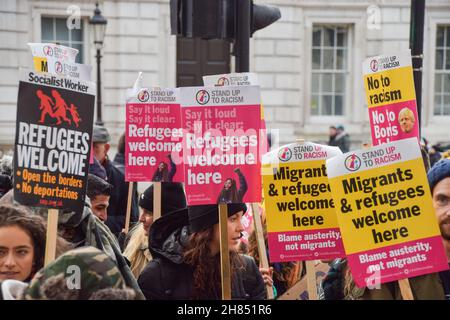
x=426, y=287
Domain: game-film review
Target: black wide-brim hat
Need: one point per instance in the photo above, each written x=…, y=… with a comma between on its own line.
x=164, y=227
x=205, y=216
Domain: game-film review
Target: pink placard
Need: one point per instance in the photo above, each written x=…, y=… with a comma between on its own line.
x=405, y=260
x=91, y=157
x=153, y=142
x=394, y=122
x=305, y=245
x=221, y=161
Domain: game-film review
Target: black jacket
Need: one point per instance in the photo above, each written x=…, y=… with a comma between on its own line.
x=167, y=277
x=341, y=140
x=118, y=201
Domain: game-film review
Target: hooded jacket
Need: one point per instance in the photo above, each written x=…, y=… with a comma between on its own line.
x=167, y=277
x=80, y=274
x=95, y=233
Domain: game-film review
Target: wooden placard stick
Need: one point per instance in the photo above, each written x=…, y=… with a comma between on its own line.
x=261, y=245
x=128, y=215
x=311, y=280
x=405, y=289
x=294, y=292
x=224, y=252
x=52, y=233
x=156, y=200
x=310, y=268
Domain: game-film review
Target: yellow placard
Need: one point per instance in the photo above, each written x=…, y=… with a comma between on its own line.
x=40, y=64
x=298, y=197
x=388, y=87
x=384, y=206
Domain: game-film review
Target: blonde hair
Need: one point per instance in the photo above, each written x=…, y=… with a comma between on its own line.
x=406, y=112
x=137, y=251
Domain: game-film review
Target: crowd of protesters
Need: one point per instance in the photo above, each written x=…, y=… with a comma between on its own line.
x=176, y=256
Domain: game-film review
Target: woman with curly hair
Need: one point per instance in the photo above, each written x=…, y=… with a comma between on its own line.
x=185, y=245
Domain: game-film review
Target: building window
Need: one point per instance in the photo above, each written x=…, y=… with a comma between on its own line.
x=442, y=72
x=329, y=70
x=55, y=30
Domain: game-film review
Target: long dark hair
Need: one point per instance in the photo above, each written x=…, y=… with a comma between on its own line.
x=161, y=175
x=206, y=274
x=230, y=195
x=33, y=225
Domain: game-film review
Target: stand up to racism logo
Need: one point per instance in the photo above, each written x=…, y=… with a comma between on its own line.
x=352, y=162
x=285, y=154
x=202, y=97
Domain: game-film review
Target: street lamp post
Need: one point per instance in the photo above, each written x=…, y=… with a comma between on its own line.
x=99, y=23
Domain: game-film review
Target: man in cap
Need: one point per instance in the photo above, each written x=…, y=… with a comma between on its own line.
x=118, y=199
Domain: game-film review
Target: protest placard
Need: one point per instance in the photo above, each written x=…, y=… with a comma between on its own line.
x=53, y=139
x=299, y=291
x=51, y=50
x=68, y=69
x=391, y=97
x=248, y=79
x=231, y=79
x=385, y=213
x=220, y=149
x=241, y=79
x=153, y=140
x=58, y=60
x=301, y=220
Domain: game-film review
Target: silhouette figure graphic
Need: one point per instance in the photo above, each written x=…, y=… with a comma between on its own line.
x=46, y=105
x=74, y=113
x=60, y=108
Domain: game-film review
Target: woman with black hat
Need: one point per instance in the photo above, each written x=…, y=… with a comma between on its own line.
x=186, y=261
x=136, y=242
